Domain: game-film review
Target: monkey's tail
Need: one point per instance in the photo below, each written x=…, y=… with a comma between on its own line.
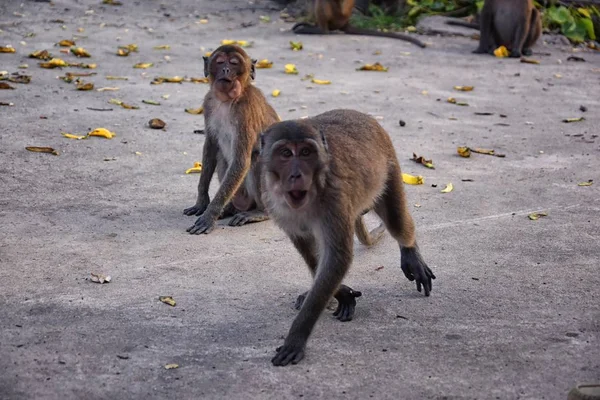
x=463, y=23
x=364, y=236
x=352, y=30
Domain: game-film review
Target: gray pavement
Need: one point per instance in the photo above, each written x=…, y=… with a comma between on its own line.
x=514, y=313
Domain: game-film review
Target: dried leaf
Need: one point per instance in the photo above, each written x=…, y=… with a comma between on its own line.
x=112, y=2
x=423, y=161
x=199, y=80
x=449, y=187
x=264, y=64
x=83, y=65
x=588, y=183
x=320, y=82
x=151, y=102
x=5, y=104
x=156, y=123
x=66, y=43
x=4, y=85
x=71, y=136
x=130, y=47
x=241, y=43
x=290, y=69
x=413, y=179
x=162, y=47
x=197, y=168
x=501, y=52
x=122, y=52
x=102, y=132
x=195, y=111
x=7, y=49
x=122, y=104
x=99, y=278
x=276, y=93
x=80, y=52
x=536, y=215
x=451, y=100
x=54, y=63
x=116, y=78
x=143, y=65
x=163, y=79
x=373, y=67
x=464, y=152
x=265, y=18
x=107, y=89
x=569, y=120
x=489, y=152
x=171, y=366
x=464, y=88
x=37, y=149
x=168, y=300
x=575, y=58
x=41, y=55
x=85, y=86
x=529, y=60
x=296, y=46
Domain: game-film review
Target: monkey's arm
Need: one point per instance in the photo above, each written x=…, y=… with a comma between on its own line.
x=209, y=163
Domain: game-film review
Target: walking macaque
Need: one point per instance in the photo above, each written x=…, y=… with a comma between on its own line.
x=332, y=15
x=318, y=177
x=235, y=112
x=515, y=24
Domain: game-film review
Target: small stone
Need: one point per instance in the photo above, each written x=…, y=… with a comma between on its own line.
x=402, y=123
x=156, y=123
x=583, y=108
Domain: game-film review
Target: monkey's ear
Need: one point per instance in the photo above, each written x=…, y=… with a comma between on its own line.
x=253, y=68
x=206, y=66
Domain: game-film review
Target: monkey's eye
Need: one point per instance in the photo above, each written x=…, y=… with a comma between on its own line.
x=286, y=153
x=305, y=152
x=234, y=61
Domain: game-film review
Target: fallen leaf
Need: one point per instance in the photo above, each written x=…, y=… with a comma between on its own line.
x=71, y=136
x=143, y=65
x=99, y=278
x=575, y=58
x=122, y=104
x=423, y=161
x=296, y=46
x=23, y=66
x=373, y=67
x=501, y=52
x=171, y=366
x=588, y=183
x=276, y=93
x=199, y=80
x=529, y=60
x=265, y=18
x=320, y=82
x=4, y=85
x=451, y=100
x=122, y=52
x=156, y=123
x=464, y=88
x=197, y=168
x=151, y=102
x=568, y=120
x=489, y=152
x=37, y=149
x=536, y=215
x=83, y=65
x=7, y=49
x=379, y=268
x=195, y=111
x=102, y=132
x=412, y=179
x=54, y=63
x=264, y=64
x=85, y=86
x=116, y=78
x=41, y=55
x=162, y=47
x=241, y=43
x=5, y=104
x=107, y=89
x=138, y=153
x=203, y=21
x=130, y=47
x=80, y=52
x=168, y=300
x=19, y=79
x=166, y=96
x=112, y=2
x=464, y=152
x=66, y=43
x=162, y=79
x=449, y=187
x=290, y=69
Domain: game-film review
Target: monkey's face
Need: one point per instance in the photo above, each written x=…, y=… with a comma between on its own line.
x=293, y=166
x=230, y=70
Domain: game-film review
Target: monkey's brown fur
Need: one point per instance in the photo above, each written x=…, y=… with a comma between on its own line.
x=319, y=174
x=515, y=24
x=235, y=112
x=332, y=15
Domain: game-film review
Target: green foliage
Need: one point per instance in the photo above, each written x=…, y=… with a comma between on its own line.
x=377, y=20
x=575, y=23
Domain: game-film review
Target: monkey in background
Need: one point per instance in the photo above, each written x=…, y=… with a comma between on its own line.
x=235, y=112
x=318, y=177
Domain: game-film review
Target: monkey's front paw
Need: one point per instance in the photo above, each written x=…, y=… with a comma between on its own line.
x=515, y=54
x=247, y=217
x=198, y=209
x=527, y=52
x=415, y=269
x=346, y=298
x=288, y=353
x=203, y=224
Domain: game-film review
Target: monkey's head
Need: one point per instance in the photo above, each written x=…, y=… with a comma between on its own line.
x=230, y=70
x=295, y=161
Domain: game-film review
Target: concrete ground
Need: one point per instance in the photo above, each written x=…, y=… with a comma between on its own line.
x=515, y=308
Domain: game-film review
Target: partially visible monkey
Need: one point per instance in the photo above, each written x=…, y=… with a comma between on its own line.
x=515, y=24
x=235, y=112
x=332, y=15
x=318, y=176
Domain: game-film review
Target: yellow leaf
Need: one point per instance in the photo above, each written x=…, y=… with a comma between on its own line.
x=412, y=179
x=107, y=89
x=123, y=104
x=265, y=18
x=197, y=168
x=168, y=300
x=449, y=187
x=203, y=21
x=7, y=49
x=37, y=149
x=296, y=46
x=568, y=120
x=264, y=64
x=276, y=93
x=54, y=63
x=422, y=160
x=241, y=43
x=529, y=60
x=320, y=82
x=116, y=78
x=130, y=47
x=501, y=52
x=80, y=52
x=71, y=136
x=464, y=152
x=85, y=86
x=537, y=215
x=464, y=88
x=195, y=111
x=143, y=65
x=123, y=52
x=373, y=67
x=162, y=47
x=290, y=69
x=112, y=2
x=66, y=43
x=161, y=79
x=588, y=183
x=102, y=132
x=40, y=55
x=151, y=102
x=171, y=366
x=451, y=100
x=199, y=80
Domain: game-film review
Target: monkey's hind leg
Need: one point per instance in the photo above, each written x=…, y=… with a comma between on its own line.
x=368, y=238
x=247, y=217
x=346, y=299
x=486, y=32
x=535, y=30
x=391, y=208
x=305, y=28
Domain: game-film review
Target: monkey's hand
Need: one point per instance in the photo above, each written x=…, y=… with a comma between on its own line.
x=415, y=269
x=291, y=351
x=346, y=298
x=246, y=217
x=197, y=209
x=204, y=224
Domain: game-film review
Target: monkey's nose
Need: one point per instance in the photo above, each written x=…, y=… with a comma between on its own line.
x=226, y=71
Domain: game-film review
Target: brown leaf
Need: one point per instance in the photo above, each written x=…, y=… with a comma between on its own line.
x=85, y=86
x=529, y=60
x=168, y=300
x=66, y=43
x=7, y=49
x=37, y=149
x=423, y=161
x=80, y=52
x=4, y=85
x=373, y=67
x=41, y=55
x=199, y=80
x=464, y=152
x=194, y=111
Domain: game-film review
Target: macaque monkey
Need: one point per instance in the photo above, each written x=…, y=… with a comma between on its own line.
x=319, y=175
x=332, y=15
x=515, y=24
x=235, y=112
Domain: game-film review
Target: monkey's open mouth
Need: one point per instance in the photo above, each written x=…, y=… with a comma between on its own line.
x=296, y=198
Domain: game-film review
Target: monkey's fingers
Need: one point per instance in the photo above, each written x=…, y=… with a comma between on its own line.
x=425, y=280
x=201, y=226
x=346, y=298
x=407, y=272
x=288, y=353
x=195, y=210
